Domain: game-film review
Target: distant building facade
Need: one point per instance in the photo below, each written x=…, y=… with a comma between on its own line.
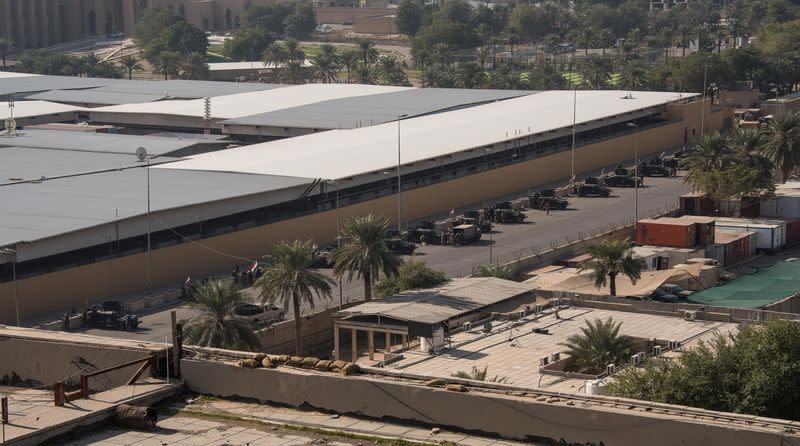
x=42, y=23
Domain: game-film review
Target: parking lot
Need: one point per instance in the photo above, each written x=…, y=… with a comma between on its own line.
x=537, y=233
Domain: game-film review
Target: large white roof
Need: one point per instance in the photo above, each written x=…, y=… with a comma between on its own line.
x=244, y=104
x=226, y=66
x=10, y=74
x=25, y=109
x=338, y=154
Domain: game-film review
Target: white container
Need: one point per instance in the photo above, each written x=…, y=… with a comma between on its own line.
x=771, y=233
x=782, y=206
x=595, y=387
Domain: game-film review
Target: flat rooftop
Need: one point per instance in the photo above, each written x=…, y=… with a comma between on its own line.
x=27, y=109
x=95, y=97
x=362, y=111
x=339, y=154
x=518, y=361
x=100, y=142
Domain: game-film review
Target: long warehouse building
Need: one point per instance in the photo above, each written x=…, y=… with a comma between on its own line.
x=71, y=238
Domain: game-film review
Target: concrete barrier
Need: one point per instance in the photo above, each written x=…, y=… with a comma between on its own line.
x=541, y=417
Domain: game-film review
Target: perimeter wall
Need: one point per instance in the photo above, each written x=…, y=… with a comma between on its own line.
x=534, y=417
x=60, y=291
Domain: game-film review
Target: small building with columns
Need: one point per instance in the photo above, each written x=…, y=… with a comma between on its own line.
x=421, y=320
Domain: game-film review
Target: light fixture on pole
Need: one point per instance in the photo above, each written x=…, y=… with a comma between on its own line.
x=399, y=181
x=574, y=118
x=11, y=252
x=10, y=124
x=636, y=173
x=142, y=155
x=338, y=234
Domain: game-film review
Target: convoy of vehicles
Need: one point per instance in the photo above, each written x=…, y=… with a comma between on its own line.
x=111, y=314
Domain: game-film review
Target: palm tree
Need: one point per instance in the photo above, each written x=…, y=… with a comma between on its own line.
x=440, y=53
x=482, y=53
x=598, y=346
x=325, y=68
x=275, y=55
x=194, y=66
x=130, y=63
x=293, y=51
x=167, y=63
x=291, y=279
x=5, y=47
x=478, y=374
x=216, y=324
x=390, y=71
x=349, y=60
x=596, y=72
x=544, y=76
x=603, y=36
x=609, y=259
x=365, y=74
x=363, y=253
x=711, y=154
x=89, y=63
x=367, y=52
x=783, y=142
x=633, y=75
x=494, y=270
x=469, y=75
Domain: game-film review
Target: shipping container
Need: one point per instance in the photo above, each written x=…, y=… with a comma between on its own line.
x=704, y=229
x=771, y=233
x=735, y=245
x=696, y=203
x=792, y=232
x=716, y=252
x=784, y=205
x=666, y=232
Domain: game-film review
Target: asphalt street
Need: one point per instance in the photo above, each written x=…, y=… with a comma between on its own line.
x=538, y=233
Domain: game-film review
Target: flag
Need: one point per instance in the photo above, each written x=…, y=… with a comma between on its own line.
x=188, y=280
x=253, y=267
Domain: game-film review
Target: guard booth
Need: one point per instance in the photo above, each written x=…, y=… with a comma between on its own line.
x=420, y=319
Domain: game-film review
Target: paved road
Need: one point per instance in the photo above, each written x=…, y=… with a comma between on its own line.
x=539, y=231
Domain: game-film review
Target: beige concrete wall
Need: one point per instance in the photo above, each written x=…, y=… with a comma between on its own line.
x=509, y=416
x=349, y=16
x=46, y=362
x=62, y=290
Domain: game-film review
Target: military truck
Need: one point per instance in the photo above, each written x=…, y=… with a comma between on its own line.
x=655, y=168
x=508, y=216
x=111, y=314
x=621, y=177
x=591, y=189
x=463, y=234
x=400, y=246
x=546, y=199
x=476, y=218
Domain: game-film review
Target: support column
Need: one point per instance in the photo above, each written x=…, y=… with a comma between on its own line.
x=405, y=341
x=371, y=344
x=353, y=345
x=336, y=355
x=388, y=342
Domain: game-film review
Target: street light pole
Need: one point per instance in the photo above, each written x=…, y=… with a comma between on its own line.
x=338, y=237
x=703, y=110
x=142, y=155
x=399, y=180
x=636, y=173
x=574, y=117
x=13, y=252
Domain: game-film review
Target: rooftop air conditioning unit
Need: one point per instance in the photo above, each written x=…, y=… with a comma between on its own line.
x=610, y=369
x=543, y=361
x=690, y=315
x=555, y=357
x=521, y=314
x=641, y=357
x=673, y=345
x=635, y=360
x=538, y=308
x=657, y=350
x=466, y=326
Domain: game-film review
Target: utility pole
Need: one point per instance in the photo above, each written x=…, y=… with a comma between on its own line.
x=143, y=156
x=399, y=181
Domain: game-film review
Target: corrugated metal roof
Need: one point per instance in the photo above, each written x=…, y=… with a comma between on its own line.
x=27, y=109
x=457, y=297
x=338, y=154
x=95, y=97
x=362, y=111
x=99, y=142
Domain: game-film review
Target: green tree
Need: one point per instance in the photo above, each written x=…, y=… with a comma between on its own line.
x=89, y=63
x=130, y=63
x=596, y=72
x=349, y=59
x=167, y=63
x=544, y=76
x=753, y=371
x=194, y=66
x=367, y=52
x=247, y=43
x=469, y=75
x=275, y=55
x=363, y=253
x=532, y=21
x=5, y=46
x=290, y=279
x=783, y=142
x=326, y=64
x=300, y=24
x=711, y=154
x=633, y=75
x=409, y=17
x=478, y=374
x=152, y=24
x=598, y=345
x=611, y=258
x=411, y=275
x=390, y=71
x=181, y=37
x=216, y=324
x=495, y=270
x=267, y=18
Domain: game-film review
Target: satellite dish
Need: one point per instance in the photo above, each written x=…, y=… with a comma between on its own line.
x=141, y=154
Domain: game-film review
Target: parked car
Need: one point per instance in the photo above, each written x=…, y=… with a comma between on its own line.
x=662, y=296
x=671, y=288
x=259, y=314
